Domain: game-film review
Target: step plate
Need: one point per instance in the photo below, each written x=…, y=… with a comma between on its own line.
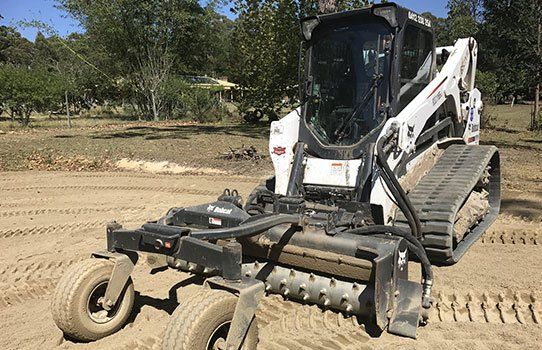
x=439, y=196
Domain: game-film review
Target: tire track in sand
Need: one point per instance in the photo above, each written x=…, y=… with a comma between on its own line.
x=43, y=230
x=116, y=188
x=22, y=292
x=36, y=270
x=61, y=228
x=67, y=211
x=526, y=237
x=221, y=177
x=308, y=327
x=305, y=327
x=11, y=205
x=510, y=307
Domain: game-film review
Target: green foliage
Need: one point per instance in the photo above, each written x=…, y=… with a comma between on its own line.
x=268, y=43
x=135, y=51
x=203, y=105
x=152, y=39
x=14, y=49
x=70, y=58
x=488, y=84
x=268, y=40
x=440, y=27
x=24, y=90
x=172, y=93
x=185, y=101
x=508, y=38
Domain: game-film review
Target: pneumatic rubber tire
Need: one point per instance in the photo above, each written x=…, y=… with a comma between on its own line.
x=74, y=305
x=198, y=318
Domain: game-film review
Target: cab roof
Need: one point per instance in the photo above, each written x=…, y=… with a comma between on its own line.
x=396, y=16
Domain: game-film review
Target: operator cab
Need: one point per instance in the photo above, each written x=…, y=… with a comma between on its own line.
x=360, y=67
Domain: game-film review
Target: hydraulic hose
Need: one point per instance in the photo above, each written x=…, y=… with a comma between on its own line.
x=413, y=237
x=414, y=246
x=401, y=204
x=253, y=227
x=395, y=188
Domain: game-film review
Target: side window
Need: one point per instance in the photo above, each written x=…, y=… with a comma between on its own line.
x=416, y=62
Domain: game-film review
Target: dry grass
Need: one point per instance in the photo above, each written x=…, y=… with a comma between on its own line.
x=105, y=138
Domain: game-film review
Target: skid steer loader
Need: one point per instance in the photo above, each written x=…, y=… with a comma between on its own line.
x=380, y=165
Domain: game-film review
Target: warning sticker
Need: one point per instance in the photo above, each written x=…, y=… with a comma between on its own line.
x=337, y=168
x=215, y=221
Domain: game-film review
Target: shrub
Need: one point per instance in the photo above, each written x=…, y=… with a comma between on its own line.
x=488, y=84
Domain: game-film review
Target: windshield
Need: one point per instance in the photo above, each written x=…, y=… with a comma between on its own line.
x=347, y=79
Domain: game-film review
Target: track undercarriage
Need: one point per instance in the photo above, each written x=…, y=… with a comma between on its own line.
x=456, y=201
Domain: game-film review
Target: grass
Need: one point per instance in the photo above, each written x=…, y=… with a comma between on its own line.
x=106, y=138
x=102, y=140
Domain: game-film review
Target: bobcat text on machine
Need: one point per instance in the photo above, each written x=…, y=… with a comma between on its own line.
x=380, y=163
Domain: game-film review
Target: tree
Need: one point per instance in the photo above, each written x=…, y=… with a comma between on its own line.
x=267, y=39
x=509, y=38
x=328, y=6
x=464, y=19
x=151, y=38
x=76, y=58
x=24, y=91
x=14, y=48
x=535, y=122
x=440, y=27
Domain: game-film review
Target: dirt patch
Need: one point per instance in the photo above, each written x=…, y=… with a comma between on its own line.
x=193, y=146
x=51, y=220
x=37, y=161
x=164, y=167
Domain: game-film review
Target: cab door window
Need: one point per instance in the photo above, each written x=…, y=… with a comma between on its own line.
x=416, y=64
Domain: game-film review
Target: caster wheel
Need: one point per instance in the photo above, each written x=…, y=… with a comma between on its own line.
x=75, y=305
x=202, y=322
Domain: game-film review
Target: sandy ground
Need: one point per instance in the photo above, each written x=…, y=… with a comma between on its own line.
x=50, y=220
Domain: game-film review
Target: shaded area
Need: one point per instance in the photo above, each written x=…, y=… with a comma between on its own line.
x=526, y=208
x=168, y=305
x=189, y=145
x=507, y=130
x=513, y=145
x=184, y=132
x=538, y=141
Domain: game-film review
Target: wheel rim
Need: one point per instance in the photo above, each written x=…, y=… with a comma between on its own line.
x=95, y=310
x=217, y=341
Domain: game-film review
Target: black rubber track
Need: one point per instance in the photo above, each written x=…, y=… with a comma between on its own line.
x=439, y=196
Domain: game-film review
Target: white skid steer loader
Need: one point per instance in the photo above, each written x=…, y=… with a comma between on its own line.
x=380, y=164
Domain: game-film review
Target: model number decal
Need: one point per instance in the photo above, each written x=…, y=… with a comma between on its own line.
x=419, y=19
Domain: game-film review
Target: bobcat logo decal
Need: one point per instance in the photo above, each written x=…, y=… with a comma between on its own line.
x=402, y=261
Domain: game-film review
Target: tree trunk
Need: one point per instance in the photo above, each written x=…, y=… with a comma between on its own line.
x=328, y=6
x=25, y=115
x=68, y=110
x=536, y=114
x=154, y=110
